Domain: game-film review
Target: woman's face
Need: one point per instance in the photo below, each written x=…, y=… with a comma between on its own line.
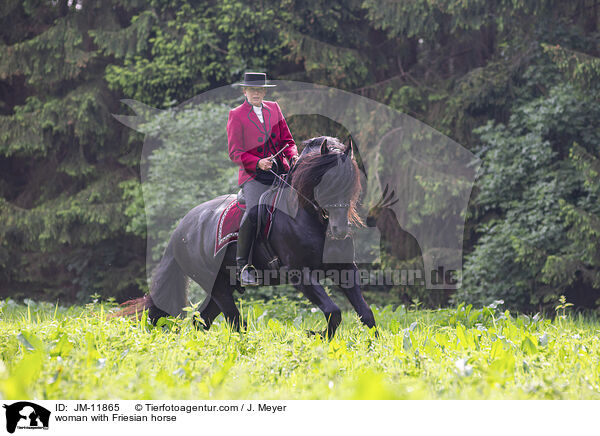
x=255, y=95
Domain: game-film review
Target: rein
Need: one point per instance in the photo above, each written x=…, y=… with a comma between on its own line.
x=317, y=208
x=298, y=192
x=322, y=210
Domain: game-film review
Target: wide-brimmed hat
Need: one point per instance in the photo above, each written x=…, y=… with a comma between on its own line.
x=255, y=80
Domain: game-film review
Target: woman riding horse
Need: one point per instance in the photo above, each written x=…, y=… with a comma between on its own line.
x=320, y=198
x=256, y=131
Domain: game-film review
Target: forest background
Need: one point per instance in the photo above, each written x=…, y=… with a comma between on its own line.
x=515, y=82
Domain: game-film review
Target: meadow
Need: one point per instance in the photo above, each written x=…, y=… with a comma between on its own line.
x=53, y=352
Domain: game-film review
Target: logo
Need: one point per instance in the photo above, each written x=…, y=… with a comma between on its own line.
x=416, y=184
x=26, y=415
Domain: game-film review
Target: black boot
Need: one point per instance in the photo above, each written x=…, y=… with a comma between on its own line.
x=246, y=273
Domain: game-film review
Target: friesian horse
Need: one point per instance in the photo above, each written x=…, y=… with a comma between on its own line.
x=316, y=207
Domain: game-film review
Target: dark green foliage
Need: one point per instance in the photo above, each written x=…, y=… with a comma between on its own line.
x=514, y=81
x=189, y=49
x=536, y=206
x=63, y=223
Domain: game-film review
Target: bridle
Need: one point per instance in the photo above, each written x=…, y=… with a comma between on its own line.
x=325, y=208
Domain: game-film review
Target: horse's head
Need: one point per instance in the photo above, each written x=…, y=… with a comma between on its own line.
x=328, y=177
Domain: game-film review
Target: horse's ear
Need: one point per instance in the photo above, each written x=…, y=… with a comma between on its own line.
x=324, y=148
x=348, y=150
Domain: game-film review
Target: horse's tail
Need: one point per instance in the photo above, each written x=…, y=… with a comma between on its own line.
x=134, y=307
x=168, y=290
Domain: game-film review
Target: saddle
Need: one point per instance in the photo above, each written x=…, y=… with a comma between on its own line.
x=231, y=217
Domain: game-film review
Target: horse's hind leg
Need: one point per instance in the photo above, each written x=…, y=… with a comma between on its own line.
x=222, y=295
x=154, y=314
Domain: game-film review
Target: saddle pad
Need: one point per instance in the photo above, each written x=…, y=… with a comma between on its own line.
x=231, y=217
x=228, y=225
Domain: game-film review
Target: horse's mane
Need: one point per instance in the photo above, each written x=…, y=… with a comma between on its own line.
x=327, y=178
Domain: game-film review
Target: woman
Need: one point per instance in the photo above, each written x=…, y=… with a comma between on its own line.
x=256, y=130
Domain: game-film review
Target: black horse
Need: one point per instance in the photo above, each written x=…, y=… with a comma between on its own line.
x=316, y=211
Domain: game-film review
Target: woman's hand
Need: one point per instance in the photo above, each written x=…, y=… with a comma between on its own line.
x=265, y=164
x=295, y=159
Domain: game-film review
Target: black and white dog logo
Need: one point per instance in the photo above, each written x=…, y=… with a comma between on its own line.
x=26, y=415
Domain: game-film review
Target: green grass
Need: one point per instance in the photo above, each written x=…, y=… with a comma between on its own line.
x=49, y=352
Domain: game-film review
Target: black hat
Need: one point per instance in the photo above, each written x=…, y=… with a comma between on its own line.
x=255, y=80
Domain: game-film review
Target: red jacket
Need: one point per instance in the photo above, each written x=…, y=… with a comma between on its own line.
x=250, y=140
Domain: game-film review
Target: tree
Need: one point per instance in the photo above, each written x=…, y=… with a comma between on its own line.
x=62, y=157
x=69, y=179
x=540, y=204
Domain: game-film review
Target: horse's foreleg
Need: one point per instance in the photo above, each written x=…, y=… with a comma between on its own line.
x=354, y=294
x=208, y=311
x=313, y=290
